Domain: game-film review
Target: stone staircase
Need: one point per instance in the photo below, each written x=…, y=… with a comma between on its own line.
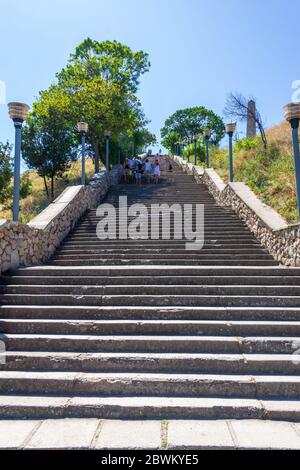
x=146, y=329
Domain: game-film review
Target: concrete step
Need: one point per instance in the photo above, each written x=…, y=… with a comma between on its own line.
x=162, y=262
x=158, y=344
x=154, y=289
x=77, y=250
x=150, y=327
x=211, y=244
x=151, y=300
x=179, y=363
x=197, y=254
x=153, y=271
x=213, y=231
x=16, y=406
x=124, y=313
x=130, y=384
x=201, y=281
x=209, y=238
x=212, y=226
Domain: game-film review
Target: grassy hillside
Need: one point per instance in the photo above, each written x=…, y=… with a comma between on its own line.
x=37, y=200
x=269, y=173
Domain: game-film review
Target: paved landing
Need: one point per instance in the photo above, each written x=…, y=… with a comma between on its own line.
x=131, y=435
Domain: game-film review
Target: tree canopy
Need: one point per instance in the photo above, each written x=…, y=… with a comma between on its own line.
x=99, y=86
x=188, y=122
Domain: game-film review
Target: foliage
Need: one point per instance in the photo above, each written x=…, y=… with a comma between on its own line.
x=270, y=173
x=186, y=123
x=6, y=178
x=246, y=144
x=49, y=144
x=25, y=186
x=98, y=86
x=189, y=152
x=6, y=171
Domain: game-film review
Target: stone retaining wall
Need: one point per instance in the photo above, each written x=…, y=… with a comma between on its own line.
x=280, y=239
x=35, y=242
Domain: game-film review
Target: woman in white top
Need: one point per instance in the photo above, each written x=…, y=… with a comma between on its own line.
x=156, y=173
x=148, y=168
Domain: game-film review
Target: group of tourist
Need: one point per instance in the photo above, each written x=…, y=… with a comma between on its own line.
x=147, y=168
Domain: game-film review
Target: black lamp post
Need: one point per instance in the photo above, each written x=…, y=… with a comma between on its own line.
x=83, y=128
x=230, y=130
x=195, y=139
x=207, y=135
x=18, y=113
x=107, y=135
x=292, y=115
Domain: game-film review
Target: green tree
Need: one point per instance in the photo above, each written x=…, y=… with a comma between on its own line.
x=141, y=138
x=6, y=172
x=189, y=152
x=6, y=178
x=49, y=145
x=98, y=86
x=191, y=121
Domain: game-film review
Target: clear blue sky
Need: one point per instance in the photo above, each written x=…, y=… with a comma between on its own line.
x=199, y=50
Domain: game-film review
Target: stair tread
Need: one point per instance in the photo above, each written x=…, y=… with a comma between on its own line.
x=147, y=377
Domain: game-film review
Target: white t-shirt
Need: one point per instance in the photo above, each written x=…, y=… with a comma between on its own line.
x=148, y=166
x=156, y=171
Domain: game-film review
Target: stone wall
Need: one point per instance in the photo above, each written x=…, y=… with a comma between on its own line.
x=35, y=242
x=280, y=239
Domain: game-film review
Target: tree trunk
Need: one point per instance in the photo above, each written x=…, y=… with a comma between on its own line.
x=52, y=187
x=96, y=158
x=96, y=152
x=263, y=135
x=46, y=186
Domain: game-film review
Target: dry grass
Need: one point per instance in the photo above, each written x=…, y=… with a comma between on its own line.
x=37, y=200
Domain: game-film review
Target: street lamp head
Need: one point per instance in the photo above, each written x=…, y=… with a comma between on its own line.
x=18, y=111
x=107, y=134
x=207, y=133
x=82, y=127
x=231, y=127
x=292, y=111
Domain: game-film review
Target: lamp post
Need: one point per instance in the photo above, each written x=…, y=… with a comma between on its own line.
x=230, y=129
x=292, y=115
x=182, y=148
x=83, y=127
x=195, y=139
x=107, y=134
x=207, y=135
x=18, y=113
x=184, y=144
